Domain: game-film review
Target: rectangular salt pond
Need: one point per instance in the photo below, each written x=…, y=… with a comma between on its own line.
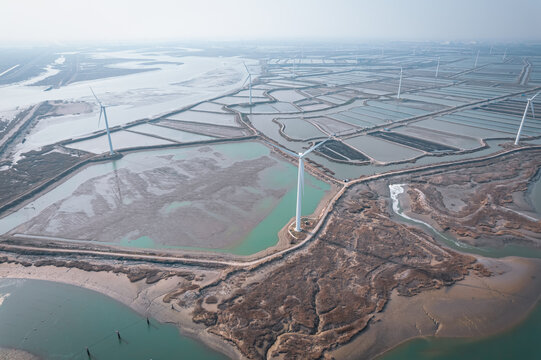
x=206, y=117
x=398, y=107
x=381, y=150
x=378, y=112
x=488, y=124
x=120, y=139
x=460, y=129
x=287, y=95
x=355, y=119
x=314, y=107
x=332, y=126
x=299, y=129
x=461, y=142
x=284, y=107
x=429, y=99
x=168, y=133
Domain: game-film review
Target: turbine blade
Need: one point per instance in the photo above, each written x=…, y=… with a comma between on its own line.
x=282, y=149
x=98, y=100
x=313, y=148
x=101, y=112
x=248, y=71
x=531, y=106
x=535, y=95
x=245, y=80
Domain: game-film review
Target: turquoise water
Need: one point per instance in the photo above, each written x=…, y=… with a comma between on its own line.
x=264, y=235
x=520, y=342
x=58, y=321
x=275, y=213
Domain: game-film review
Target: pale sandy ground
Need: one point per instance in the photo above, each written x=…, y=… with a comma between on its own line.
x=477, y=306
x=11, y=354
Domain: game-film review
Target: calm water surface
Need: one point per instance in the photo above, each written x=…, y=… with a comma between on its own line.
x=58, y=321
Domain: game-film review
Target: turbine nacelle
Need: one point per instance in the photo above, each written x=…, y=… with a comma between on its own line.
x=300, y=178
x=529, y=104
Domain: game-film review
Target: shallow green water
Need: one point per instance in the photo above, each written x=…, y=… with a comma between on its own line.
x=520, y=342
x=58, y=321
x=276, y=212
x=265, y=234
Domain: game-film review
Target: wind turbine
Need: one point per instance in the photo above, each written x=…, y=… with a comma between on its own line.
x=528, y=104
x=102, y=111
x=250, y=78
x=399, y=84
x=476, y=58
x=300, y=178
x=504, y=55
x=438, y=67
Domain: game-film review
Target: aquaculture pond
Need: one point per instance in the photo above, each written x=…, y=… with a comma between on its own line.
x=231, y=197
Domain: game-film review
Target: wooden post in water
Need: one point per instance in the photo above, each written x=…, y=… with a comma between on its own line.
x=118, y=335
x=88, y=352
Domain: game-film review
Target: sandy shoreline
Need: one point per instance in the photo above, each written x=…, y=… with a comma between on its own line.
x=477, y=306
x=15, y=354
x=145, y=299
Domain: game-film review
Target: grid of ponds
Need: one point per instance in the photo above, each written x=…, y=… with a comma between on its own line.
x=492, y=121
x=168, y=133
x=378, y=113
x=382, y=150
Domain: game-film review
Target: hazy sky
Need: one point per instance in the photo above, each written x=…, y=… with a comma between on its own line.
x=60, y=20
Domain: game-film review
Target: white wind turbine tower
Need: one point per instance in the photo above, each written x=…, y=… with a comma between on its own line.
x=249, y=78
x=476, y=58
x=399, y=84
x=504, y=54
x=102, y=111
x=528, y=104
x=300, y=179
x=438, y=67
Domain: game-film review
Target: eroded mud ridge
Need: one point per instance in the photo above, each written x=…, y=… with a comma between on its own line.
x=482, y=204
x=327, y=293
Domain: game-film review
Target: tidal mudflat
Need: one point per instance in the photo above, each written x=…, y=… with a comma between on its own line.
x=229, y=197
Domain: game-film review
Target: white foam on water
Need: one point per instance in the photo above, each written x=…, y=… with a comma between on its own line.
x=397, y=189
x=3, y=297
